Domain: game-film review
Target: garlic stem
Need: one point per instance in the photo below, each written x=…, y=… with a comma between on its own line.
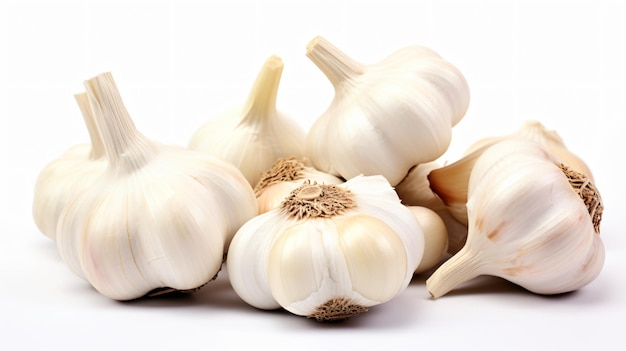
x=125, y=147
x=97, y=147
x=262, y=98
x=336, y=65
x=458, y=269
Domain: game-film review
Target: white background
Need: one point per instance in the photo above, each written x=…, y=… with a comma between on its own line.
x=180, y=63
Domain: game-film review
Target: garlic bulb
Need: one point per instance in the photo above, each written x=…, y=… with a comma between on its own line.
x=72, y=173
x=285, y=175
x=329, y=252
x=386, y=117
x=435, y=237
x=450, y=182
x=532, y=220
x=255, y=135
x=415, y=190
x=159, y=217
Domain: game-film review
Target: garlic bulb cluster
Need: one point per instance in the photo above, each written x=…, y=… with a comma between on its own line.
x=159, y=217
x=415, y=190
x=255, y=135
x=386, y=117
x=329, y=252
x=285, y=175
x=531, y=220
x=72, y=173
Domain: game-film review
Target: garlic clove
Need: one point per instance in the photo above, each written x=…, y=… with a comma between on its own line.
x=532, y=221
x=382, y=113
x=72, y=173
x=255, y=135
x=435, y=237
x=415, y=190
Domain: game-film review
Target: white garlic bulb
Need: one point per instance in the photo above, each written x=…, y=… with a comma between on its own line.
x=386, y=117
x=329, y=252
x=415, y=190
x=159, y=217
x=532, y=221
x=72, y=173
x=255, y=135
x=451, y=181
x=285, y=175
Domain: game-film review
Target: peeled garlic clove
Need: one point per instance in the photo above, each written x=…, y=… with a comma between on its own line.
x=255, y=135
x=72, y=173
x=435, y=237
x=386, y=117
x=160, y=216
x=285, y=175
x=329, y=252
x=415, y=190
x=532, y=221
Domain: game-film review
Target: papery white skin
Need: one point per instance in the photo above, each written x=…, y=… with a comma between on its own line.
x=160, y=217
x=276, y=260
x=255, y=135
x=526, y=225
x=72, y=173
x=385, y=117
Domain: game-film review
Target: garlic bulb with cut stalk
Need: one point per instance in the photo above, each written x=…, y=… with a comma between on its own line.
x=159, y=217
x=285, y=175
x=415, y=190
x=329, y=252
x=435, y=237
x=532, y=220
x=72, y=173
x=255, y=135
x=450, y=182
x=385, y=117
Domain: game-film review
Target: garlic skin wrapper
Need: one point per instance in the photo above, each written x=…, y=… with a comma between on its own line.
x=255, y=135
x=285, y=175
x=450, y=182
x=329, y=252
x=415, y=190
x=159, y=217
x=72, y=173
x=532, y=221
x=435, y=237
x=385, y=117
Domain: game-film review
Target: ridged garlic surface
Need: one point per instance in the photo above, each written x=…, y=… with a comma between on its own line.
x=255, y=135
x=385, y=117
x=329, y=252
x=72, y=173
x=532, y=220
x=285, y=175
x=160, y=216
